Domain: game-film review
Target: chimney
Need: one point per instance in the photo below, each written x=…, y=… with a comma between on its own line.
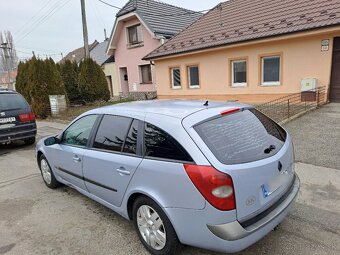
x=105, y=36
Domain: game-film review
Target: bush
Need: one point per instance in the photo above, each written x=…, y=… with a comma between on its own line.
x=92, y=82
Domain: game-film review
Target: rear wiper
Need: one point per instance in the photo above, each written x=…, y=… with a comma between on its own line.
x=269, y=149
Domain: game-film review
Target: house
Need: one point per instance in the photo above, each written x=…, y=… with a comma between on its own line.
x=7, y=83
x=253, y=51
x=140, y=27
x=78, y=55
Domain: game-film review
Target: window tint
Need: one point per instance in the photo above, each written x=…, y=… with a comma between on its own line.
x=160, y=144
x=79, y=132
x=176, y=77
x=193, y=76
x=12, y=102
x=130, y=145
x=112, y=132
x=271, y=70
x=239, y=75
x=242, y=137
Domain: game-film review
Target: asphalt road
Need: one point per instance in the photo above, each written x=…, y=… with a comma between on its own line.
x=37, y=220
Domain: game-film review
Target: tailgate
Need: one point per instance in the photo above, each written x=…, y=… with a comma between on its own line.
x=255, y=151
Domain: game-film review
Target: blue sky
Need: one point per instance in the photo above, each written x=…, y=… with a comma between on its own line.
x=52, y=27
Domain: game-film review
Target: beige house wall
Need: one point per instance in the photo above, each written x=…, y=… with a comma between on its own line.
x=110, y=70
x=301, y=58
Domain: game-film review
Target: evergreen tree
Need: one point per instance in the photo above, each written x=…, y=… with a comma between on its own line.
x=22, y=81
x=92, y=82
x=69, y=74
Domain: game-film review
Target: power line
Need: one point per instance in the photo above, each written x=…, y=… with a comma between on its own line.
x=119, y=8
x=36, y=49
x=59, y=5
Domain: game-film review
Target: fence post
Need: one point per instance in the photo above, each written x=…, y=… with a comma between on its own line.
x=317, y=98
x=288, y=104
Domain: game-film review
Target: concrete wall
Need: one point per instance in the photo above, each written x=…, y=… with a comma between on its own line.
x=301, y=58
x=131, y=58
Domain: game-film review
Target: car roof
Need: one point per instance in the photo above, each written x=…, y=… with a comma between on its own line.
x=177, y=108
x=7, y=91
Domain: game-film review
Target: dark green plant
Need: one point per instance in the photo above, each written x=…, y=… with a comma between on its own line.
x=69, y=73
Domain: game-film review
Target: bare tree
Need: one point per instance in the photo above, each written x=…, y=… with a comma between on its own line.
x=8, y=54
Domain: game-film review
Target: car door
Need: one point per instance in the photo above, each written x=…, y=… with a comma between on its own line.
x=113, y=158
x=68, y=155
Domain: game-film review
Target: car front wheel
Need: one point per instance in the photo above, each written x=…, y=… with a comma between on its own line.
x=47, y=173
x=153, y=227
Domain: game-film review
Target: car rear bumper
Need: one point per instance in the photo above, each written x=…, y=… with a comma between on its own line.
x=19, y=135
x=234, y=230
x=208, y=229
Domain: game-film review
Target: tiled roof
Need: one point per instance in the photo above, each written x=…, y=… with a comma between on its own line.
x=98, y=53
x=161, y=18
x=78, y=55
x=236, y=21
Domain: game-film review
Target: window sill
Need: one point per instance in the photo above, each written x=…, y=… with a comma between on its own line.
x=176, y=88
x=239, y=85
x=194, y=87
x=145, y=83
x=137, y=45
x=270, y=84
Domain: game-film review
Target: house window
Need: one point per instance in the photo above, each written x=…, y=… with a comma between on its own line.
x=238, y=73
x=135, y=34
x=175, y=77
x=193, y=76
x=270, y=70
x=145, y=73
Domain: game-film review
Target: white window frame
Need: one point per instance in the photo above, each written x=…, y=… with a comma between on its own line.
x=270, y=83
x=172, y=78
x=195, y=86
x=238, y=84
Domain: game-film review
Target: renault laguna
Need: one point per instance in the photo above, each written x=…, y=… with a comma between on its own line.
x=214, y=175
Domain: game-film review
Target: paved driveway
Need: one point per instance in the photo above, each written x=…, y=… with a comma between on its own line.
x=36, y=220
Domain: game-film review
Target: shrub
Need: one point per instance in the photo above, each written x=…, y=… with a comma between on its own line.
x=69, y=73
x=92, y=82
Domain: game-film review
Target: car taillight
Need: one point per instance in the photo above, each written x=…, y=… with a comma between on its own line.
x=26, y=117
x=230, y=111
x=216, y=187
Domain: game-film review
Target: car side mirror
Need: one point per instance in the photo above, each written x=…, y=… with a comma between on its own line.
x=51, y=141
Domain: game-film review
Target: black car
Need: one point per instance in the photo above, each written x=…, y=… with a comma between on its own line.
x=17, y=121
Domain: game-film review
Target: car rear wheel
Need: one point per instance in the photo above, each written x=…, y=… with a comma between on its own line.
x=30, y=141
x=47, y=173
x=153, y=227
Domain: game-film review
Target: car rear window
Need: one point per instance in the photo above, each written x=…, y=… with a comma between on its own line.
x=242, y=137
x=12, y=102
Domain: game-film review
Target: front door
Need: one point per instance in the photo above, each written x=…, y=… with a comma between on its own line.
x=114, y=157
x=68, y=155
x=334, y=95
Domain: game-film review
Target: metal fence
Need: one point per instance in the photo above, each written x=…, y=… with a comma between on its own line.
x=287, y=107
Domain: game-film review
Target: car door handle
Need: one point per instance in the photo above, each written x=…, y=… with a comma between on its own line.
x=122, y=171
x=76, y=158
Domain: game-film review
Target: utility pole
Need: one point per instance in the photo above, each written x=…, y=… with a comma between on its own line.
x=7, y=54
x=86, y=39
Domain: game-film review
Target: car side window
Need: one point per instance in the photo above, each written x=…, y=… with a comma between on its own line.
x=79, y=132
x=112, y=133
x=160, y=144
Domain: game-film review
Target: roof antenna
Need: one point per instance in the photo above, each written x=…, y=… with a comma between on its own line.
x=206, y=103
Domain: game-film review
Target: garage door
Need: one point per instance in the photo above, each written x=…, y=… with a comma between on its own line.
x=334, y=95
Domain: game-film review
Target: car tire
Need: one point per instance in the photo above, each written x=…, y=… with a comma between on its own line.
x=29, y=141
x=47, y=173
x=153, y=227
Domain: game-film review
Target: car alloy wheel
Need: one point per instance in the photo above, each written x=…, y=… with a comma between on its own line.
x=46, y=171
x=151, y=227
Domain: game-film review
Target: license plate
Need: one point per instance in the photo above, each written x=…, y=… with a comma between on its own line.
x=7, y=120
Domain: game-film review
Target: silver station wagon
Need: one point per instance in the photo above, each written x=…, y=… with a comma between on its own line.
x=218, y=176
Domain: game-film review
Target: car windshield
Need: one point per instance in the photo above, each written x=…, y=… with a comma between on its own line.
x=242, y=137
x=12, y=102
